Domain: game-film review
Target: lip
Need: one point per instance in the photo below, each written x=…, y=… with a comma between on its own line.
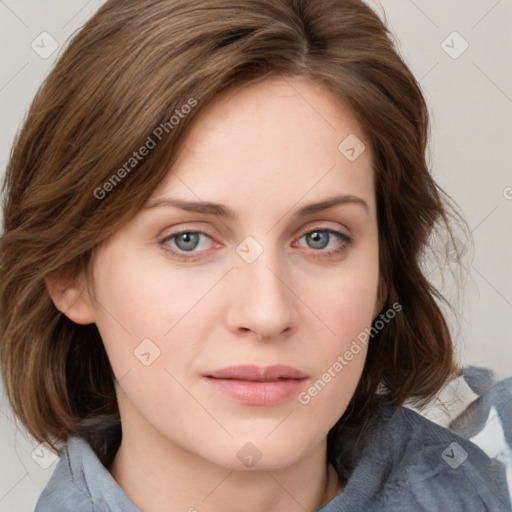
x=255, y=385
x=255, y=373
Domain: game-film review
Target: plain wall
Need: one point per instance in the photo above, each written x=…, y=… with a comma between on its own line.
x=470, y=99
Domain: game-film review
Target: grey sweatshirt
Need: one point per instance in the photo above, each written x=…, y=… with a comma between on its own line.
x=399, y=461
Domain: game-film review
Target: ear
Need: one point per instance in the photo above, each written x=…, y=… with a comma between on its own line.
x=71, y=297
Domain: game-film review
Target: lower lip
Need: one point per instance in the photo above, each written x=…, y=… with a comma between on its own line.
x=258, y=393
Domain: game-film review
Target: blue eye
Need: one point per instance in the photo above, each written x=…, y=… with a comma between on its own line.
x=321, y=239
x=325, y=243
x=186, y=241
x=318, y=239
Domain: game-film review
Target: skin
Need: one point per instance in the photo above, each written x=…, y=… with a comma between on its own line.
x=264, y=151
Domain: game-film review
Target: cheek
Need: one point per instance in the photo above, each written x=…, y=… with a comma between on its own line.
x=132, y=296
x=347, y=312
x=136, y=302
x=348, y=301
x=129, y=309
x=347, y=317
x=347, y=307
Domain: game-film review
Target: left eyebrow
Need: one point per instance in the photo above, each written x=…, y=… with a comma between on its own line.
x=220, y=210
x=331, y=203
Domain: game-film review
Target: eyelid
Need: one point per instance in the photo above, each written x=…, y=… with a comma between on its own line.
x=188, y=230
x=335, y=230
x=184, y=255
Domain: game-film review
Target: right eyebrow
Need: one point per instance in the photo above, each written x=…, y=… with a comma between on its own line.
x=219, y=210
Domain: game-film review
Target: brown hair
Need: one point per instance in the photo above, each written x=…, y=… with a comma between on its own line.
x=125, y=73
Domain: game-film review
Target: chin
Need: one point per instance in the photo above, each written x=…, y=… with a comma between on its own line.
x=247, y=453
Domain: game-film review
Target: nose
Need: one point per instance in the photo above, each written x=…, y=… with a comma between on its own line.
x=262, y=302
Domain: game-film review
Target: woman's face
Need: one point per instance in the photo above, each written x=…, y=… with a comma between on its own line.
x=233, y=262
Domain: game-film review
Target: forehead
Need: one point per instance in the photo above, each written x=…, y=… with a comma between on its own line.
x=277, y=140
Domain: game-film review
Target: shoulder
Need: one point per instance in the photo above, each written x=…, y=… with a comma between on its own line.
x=439, y=469
x=81, y=483
x=408, y=463
x=65, y=491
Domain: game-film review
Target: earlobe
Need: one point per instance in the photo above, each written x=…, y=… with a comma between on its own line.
x=71, y=298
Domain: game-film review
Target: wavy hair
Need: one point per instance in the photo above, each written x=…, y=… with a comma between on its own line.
x=126, y=72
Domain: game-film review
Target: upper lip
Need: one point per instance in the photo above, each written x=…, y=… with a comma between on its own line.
x=256, y=373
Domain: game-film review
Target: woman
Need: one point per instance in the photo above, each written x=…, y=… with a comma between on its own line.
x=211, y=288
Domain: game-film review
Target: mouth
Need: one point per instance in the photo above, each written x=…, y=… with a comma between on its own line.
x=258, y=374
x=254, y=385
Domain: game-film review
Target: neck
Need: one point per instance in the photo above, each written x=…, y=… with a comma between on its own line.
x=167, y=475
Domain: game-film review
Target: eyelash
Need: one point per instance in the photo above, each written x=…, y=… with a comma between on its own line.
x=346, y=241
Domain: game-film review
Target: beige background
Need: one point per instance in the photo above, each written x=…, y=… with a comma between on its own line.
x=469, y=91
